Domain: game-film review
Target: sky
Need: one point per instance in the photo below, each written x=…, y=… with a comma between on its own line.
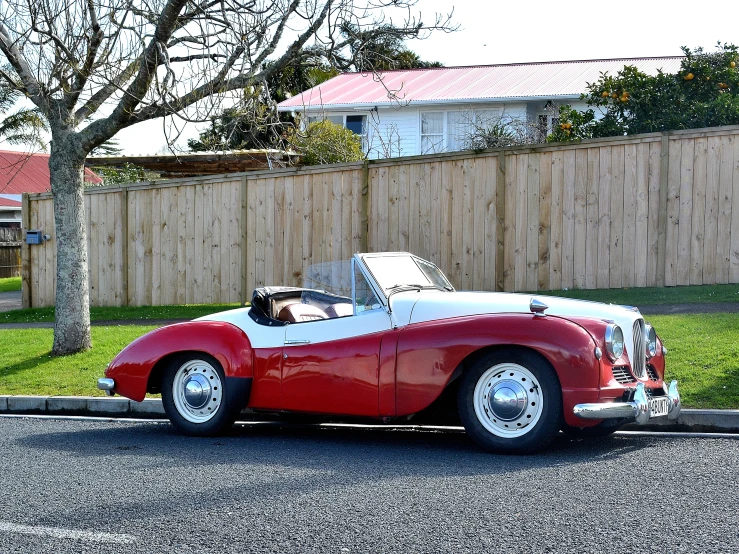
x=533, y=31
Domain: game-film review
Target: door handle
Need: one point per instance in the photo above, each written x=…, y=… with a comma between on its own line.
x=296, y=341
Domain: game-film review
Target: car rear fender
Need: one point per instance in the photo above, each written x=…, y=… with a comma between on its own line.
x=138, y=368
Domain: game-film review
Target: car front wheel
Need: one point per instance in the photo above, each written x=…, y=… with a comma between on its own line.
x=510, y=402
x=194, y=398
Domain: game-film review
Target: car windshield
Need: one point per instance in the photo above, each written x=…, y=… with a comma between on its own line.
x=395, y=272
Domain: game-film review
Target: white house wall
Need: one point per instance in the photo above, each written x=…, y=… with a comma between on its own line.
x=393, y=132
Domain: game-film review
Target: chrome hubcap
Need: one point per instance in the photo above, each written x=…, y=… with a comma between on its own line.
x=508, y=400
x=197, y=391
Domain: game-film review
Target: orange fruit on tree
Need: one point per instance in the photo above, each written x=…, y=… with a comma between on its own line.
x=605, y=94
x=689, y=77
x=732, y=64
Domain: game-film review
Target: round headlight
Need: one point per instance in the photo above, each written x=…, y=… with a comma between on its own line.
x=614, y=341
x=650, y=335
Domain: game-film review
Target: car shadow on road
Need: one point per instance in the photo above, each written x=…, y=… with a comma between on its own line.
x=272, y=461
x=430, y=451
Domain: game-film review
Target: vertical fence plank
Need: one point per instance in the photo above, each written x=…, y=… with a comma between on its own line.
x=657, y=217
x=569, y=186
x=674, y=152
x=686, y=199
x=545, y=221
x=725, y=193
x=557, y=218
x=492, y=223
x=629, y=244
x=698, y=213
x=445, y=220
x=591, y=231
x=479, y=215
x=641, y=228
x=603, y=252
x=734, y=259
x=509, y=222
x=616, y=262
x=521, y=224
x=711, y=221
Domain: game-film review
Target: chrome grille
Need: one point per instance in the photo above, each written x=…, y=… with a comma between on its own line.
x=621, y=374
x=638, y=364
x=652, y=373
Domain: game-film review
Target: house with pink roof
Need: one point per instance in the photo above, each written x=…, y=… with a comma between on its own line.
x=426, y=111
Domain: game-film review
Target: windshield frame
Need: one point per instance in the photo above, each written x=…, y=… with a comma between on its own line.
x=386, y=290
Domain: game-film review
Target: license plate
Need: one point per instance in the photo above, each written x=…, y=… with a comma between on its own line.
x=658, y=406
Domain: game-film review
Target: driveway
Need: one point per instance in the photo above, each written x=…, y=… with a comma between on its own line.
x=10, y=301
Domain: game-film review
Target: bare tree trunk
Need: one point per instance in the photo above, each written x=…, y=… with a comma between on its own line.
x=72, y=323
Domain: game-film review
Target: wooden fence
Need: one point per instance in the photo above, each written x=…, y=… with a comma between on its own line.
x=652, y=210
x=10, y=252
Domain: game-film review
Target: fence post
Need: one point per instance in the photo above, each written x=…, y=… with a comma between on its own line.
x=26, y=296
x=662, y=220
x=244, y=238
x=364, y=223
x=500, y=208
x=124, y=245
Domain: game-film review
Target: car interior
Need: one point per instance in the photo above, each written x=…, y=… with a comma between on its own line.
x=283, y=305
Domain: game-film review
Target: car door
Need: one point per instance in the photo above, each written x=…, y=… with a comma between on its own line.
x=332, y=365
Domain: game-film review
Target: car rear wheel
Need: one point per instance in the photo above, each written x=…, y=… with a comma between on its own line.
x=510, y=402
x=194, y=396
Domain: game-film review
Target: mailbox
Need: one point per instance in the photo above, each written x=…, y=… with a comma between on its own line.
x=35, y=237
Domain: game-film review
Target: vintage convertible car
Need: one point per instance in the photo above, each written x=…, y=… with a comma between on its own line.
x=385, y=336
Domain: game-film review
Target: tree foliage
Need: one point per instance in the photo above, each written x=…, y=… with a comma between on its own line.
x=22, y=127
x=255, y=123
x=703, y=93
x=94, y=67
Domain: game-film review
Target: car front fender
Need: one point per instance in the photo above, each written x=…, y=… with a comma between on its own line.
x=228, y=344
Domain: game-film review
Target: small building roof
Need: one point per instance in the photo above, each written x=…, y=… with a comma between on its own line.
x=9, y=203
x=199, y=163
x=23, y=172
x=468, y=84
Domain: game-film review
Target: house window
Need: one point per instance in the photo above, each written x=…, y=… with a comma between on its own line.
x=432, y=132
x=355, y=123
x=463, y=126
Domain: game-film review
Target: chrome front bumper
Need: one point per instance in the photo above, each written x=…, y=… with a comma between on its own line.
x=106, y=384
x=637, y=409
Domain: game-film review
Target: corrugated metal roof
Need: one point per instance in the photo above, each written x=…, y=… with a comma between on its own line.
x=470, y=84
x=22, y=172
x=8, y=203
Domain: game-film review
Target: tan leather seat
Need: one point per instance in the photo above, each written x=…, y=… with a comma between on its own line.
x=340, y=309
x=298, y=313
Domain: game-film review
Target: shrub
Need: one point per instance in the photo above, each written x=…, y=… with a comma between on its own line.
x=324, y=142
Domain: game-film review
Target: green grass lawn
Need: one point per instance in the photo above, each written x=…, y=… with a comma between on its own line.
x=703, y=356
x=126, y=313
x=654, y=295
x=27, y=368
x=9, y=284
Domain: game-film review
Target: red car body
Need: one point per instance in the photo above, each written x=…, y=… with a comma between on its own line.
x=433, y=337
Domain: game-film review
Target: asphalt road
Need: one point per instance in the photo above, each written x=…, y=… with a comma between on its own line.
x=82, y=486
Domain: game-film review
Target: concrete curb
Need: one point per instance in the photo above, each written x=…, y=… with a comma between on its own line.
x=695, y=421
x=81, y=406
